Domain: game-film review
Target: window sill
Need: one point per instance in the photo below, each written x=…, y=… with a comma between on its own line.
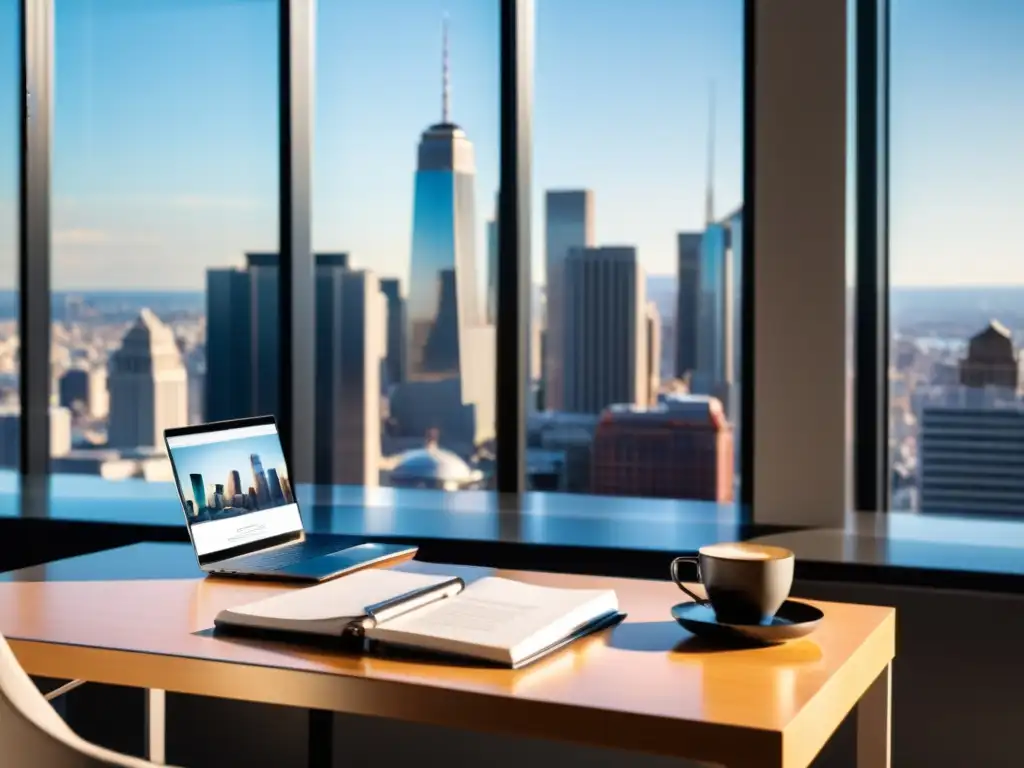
x=551, y=531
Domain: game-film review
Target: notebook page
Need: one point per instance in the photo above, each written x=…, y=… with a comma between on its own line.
x=345, y=597
x=494, y=613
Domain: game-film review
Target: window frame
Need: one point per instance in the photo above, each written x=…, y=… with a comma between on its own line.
x=768, y=111
x=871, y=340
x=35, y=138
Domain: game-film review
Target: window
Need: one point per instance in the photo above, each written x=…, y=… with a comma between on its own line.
x=637, y=244
x=10, y=410
x=165, y=188
x=166, y=277
x=957, y=297
x=405, y=182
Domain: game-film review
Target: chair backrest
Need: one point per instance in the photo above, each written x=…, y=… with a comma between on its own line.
x=33, y=735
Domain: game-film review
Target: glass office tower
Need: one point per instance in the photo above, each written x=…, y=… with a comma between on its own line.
x=442, y=286
x=242, y=340
x=394, y=363
x=568, y=224
x=714, y=373
x=449, y=378
x=687, y=302
x=735, y=240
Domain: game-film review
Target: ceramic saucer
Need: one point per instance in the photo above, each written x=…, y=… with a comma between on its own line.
x=793, y=620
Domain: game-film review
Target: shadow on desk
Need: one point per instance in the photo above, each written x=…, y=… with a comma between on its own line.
x=669, y=637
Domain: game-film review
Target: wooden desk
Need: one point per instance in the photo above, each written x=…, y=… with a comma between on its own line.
x=645, y=685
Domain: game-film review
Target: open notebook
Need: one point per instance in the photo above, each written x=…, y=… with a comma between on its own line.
x=495, y=620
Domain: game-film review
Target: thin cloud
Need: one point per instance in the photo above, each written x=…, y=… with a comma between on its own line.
x=193, y=202
x=184, y=202
x=81, y=237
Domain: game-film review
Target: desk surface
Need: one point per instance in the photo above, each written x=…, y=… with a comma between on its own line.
x=646, y=684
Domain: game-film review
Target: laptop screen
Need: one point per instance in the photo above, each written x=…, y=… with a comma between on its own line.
x=234, y=487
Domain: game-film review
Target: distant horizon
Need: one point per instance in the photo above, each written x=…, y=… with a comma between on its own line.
x=656, y=276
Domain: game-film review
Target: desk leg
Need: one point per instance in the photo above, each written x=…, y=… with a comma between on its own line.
x=320, y=741
x=874, y=723
x=156, y=711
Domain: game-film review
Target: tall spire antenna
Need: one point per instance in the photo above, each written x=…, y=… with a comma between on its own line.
x=709, y=199
x=446, y=86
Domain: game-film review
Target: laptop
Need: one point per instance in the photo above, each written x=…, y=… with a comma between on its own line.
x=241, y=511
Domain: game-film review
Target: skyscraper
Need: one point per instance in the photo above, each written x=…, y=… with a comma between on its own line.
x=714, y=348
x=73, y=387
x=198, y=492
x=394, y=363
x=242, y=372
x=492, y=270
x=229, y=345
x=605, y=329
x=98, y=404
x=687, y=302
x=682, y=449
x=716, y=316
x=653, y=338
x=60, y=431
x=730, y=393
x=265, y=337
x=148, y=385
x=991, y=359
x=259, y=481
x=233, y=487
x=352, y=323
x=569, y=224
x=734, y=222
x=449, y=383
x=274, y=487
x=970, y=460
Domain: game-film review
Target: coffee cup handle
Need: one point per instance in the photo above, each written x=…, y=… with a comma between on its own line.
x=673, y=570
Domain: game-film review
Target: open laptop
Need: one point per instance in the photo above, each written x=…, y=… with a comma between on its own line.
x=240, y=507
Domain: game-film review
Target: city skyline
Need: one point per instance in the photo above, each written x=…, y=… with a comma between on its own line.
x=621, y=170
x=216, y=462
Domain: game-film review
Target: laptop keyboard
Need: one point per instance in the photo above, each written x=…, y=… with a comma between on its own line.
x=275, y=559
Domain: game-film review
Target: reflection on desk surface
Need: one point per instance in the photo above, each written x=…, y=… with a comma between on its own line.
x=643, y=666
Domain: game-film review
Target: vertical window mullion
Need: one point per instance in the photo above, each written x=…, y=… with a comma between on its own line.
x=513, y=321
x=34, y=231
x=296, y=279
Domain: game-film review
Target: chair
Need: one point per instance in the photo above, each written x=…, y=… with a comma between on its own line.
x=33, y=735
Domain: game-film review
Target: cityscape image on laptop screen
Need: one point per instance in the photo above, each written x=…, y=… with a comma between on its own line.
x=234, y=486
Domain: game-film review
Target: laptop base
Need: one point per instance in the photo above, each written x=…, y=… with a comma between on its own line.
x=324, y=567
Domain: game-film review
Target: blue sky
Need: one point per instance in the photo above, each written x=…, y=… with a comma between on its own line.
x=166, y=121
x=956, y=148
x=166, y=125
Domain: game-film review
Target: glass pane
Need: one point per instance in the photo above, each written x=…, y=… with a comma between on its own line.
x=10, y=408
x=637, y=247
x=164, y=224
x=957, y=276
x=406, y=175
